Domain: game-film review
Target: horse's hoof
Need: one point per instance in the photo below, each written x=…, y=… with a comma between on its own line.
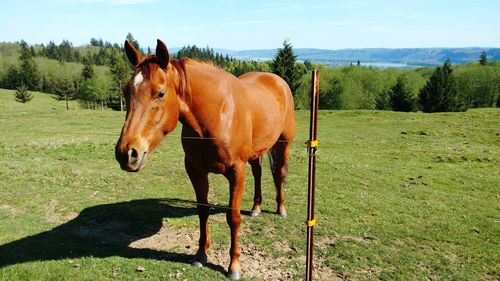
x=283, y=214
x=255, y=213
x=235, y=275
x=199, y=263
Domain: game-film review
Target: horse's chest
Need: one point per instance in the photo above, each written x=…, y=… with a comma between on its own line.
x=207, y=155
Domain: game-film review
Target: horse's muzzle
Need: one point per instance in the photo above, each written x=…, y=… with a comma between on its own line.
x=131, y=159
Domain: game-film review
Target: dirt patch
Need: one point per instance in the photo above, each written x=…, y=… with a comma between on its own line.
x=169, y=239
x=12, y=210
x=52, y=216
x=255, y=263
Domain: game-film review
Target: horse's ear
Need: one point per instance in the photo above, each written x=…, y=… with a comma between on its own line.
x=162, y=54
x=132, y=54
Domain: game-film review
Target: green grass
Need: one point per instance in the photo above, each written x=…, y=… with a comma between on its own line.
x=405, y=196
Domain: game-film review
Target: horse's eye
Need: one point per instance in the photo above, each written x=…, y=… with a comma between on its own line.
x=161, y=94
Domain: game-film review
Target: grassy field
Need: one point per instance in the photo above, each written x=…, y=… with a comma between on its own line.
x=400, y=196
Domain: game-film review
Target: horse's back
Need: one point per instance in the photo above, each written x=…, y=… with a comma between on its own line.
x=266, y=86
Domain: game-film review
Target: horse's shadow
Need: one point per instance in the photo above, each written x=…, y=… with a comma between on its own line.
x=104, y=231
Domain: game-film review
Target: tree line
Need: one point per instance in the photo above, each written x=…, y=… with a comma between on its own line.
x=91, y=84
x=95, y=76
x=430, y=89
x=226, y=62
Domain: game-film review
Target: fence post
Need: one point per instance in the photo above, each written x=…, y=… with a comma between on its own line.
x=312, y=148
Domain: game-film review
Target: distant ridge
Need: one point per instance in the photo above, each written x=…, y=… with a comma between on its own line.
x=409, y=56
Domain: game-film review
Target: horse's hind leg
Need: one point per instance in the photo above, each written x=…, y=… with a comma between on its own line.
x=278, y=156
x=200, y=184
x=257, y=175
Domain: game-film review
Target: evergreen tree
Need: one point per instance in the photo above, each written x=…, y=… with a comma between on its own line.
x=94, y=42
x=440, y=92
x=66, y=89
x=101, y=57
x=65, y=51
x=41, y=52
x=22, y=94
x=32, y=51
x=10, y=79
x=401, y=95
x=28, y=74
x=77, y=56
x=483, y=59
x=88, y=68
x=120, y=72
x=51, y=51
x=383, y=101
x=358, y=63
x=284, y=66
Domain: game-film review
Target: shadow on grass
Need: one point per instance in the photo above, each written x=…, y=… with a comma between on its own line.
x=104, y=231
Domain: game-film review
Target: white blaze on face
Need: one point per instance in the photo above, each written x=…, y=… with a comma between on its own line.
x=138, y=79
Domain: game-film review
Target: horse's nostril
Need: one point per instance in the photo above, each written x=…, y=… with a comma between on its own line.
x=133, y=153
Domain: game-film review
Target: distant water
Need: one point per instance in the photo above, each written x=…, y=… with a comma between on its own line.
x=380, y=64
x=388, y=65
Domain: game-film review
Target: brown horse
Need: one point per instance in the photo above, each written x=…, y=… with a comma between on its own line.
x=226, y=123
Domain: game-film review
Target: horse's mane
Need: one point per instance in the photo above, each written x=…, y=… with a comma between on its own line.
x=204, y=63
x=180, y=66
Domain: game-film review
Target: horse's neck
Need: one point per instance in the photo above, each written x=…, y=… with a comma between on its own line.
x=187, y=117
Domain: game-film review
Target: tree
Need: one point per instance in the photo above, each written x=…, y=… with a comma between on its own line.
x=66, y=89
x=88, y=93
x=308, y=65
x=440, y=92
x=480, y=86
x=483, y=59
x=88, y=68
x=10, y=79
x=120, y=72
x=101, y=57
x=22, y=94
x=401, y=95
x=284, y=66
x=28, y=74
x=65, y=51
x=94, y=42
x=383, y=101
x=51, y=51
x=330, y=97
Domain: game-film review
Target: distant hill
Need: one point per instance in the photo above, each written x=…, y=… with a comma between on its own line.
x=409, y=56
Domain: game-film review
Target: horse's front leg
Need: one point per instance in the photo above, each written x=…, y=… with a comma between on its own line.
x=236, y=177
x=199, y=179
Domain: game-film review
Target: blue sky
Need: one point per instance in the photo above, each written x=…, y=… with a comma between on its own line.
x=256, y=24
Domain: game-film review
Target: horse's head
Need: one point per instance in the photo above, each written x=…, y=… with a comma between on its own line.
x=152, y=106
